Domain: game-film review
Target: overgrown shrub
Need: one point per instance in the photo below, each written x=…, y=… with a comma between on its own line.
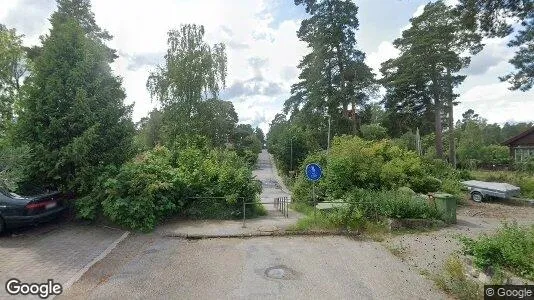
x=12, y=164
x=355, y=163
x=510, y=248
x=346, y=218
x=455, y=281
x=526, y=167
x=365, y=207
x=373, y=132
x=198, y=183
x=398, y=204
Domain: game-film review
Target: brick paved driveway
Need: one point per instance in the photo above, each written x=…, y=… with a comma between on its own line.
x=54, y=251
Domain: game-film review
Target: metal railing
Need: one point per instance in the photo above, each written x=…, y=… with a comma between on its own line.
x=281, y=204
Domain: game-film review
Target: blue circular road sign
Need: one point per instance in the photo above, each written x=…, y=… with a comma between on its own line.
x=314, y=172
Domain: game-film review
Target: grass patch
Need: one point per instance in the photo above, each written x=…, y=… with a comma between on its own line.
x=366, y=211
x=522, y=180
x=454, y=281
x=399, y=251
x=510, y=248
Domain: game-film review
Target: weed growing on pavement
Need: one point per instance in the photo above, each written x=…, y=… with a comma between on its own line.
x=454, y=281
x=509, y=248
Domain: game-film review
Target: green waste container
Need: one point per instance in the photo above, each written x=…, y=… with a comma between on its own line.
x=446, y=205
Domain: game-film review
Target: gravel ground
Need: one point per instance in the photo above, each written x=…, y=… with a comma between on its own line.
x=429, y=251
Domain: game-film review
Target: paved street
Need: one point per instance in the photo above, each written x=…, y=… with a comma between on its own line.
x=150, y=266
x=53, y=251
x=258, y=268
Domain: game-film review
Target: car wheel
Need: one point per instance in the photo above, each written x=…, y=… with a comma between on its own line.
x=2, y=225
x=477, y=196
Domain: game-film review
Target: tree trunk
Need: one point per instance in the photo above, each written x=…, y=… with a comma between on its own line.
x=438, y=128
x=438, y=108
x=353, y=118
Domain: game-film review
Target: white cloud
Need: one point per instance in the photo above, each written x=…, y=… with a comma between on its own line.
x=140, y=35
x=385, y=51
x=419, y=11
x=497, y=104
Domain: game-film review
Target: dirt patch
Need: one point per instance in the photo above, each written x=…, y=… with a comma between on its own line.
x=428, y=251
x=496, y=210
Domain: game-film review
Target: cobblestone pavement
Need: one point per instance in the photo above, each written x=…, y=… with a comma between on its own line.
x=51, y=251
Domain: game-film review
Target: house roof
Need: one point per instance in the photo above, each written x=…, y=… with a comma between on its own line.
x=519, y=136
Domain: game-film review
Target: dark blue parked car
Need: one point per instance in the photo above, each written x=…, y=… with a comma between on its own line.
x=18, y=211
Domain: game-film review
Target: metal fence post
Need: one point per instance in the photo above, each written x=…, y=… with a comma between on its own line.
x=287, y=207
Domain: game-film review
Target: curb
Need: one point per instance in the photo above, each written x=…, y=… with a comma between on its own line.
x=102, y=255
x=277, y=176
x=260, y=234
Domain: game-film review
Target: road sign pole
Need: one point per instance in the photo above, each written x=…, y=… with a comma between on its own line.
x=314, y=200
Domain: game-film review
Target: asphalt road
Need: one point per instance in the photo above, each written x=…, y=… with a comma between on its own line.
x=150, y=267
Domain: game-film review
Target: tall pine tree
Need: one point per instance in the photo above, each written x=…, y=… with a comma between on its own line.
x=433, y=51
x=334, y=78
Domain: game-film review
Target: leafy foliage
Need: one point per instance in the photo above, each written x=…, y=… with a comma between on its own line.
x=420, y=82
x=510, y=248
x=353, y=162
x=398, y=204
x=246, y=143
x=188, y=85
x=496, y=19
x=12, y=165
x=199, y=183
x=373, y=132
x=73, y=117
x=12, y=69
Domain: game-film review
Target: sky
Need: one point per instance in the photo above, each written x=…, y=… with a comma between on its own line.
x=263, y=49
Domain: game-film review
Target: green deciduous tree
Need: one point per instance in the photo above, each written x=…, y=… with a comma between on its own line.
x=12, y=71
x=192, y=76
x=74, y=118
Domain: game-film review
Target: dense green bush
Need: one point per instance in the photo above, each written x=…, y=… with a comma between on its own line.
x=373, y=132
x=199, y=183
x=355, y=163
x=364, y=207
x=510, y=248
x=526, y=167
x=397, y=204
x=12, y=164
